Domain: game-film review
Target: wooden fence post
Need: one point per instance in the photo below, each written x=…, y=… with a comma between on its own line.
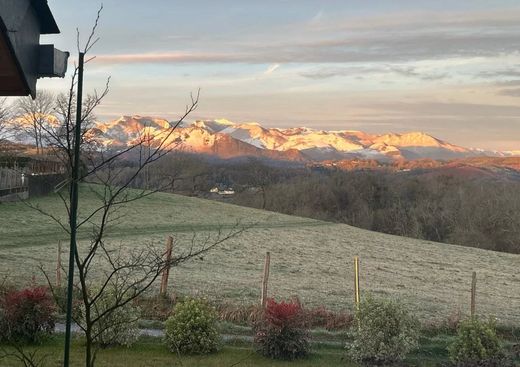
x=263, y=298
x=166, y=270
x=473, y=293
x=357, y=297
x=58, y=266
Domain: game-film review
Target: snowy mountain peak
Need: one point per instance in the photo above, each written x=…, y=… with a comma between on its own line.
x=213, y=125
x=219, y=135
x=409, y=139
x=224, y=122
x=137, y=122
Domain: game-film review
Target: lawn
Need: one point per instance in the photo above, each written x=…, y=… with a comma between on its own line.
x=151, y=352
x=309, y=258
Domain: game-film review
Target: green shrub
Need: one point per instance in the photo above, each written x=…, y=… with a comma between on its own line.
x=281, y=333
x=476, y=341
x=382, y=333
x=191, y=328
x=117, y=327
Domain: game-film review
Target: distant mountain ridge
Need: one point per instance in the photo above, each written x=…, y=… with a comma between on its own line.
x=227, y=139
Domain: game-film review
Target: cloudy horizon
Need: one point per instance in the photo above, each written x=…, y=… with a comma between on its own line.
x=446, y=68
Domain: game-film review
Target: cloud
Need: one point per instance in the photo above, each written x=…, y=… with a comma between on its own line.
x=317, y=18
x=166, y=57
x=271, y=69
x=416, y=20
x=379, y=48
x=510, y=72
x=508, y=83
x=406, y=71
x=394, y=38
x=325, y=73
x=411, y=72
x=512, y=92
x=427, y=109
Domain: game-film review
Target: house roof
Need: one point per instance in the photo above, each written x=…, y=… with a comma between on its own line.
x=22, y=58
x=47, y=22
x=13, y=81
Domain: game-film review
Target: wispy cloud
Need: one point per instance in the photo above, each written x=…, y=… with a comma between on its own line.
x=380, y=48
x=166, y=57
x=497, y=19
x=406, y=71
x=317, y=18
x=271, y=69
x=510, y=72
x=393, y=38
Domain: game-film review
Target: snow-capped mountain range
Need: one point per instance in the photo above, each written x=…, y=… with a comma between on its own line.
x=228, y=139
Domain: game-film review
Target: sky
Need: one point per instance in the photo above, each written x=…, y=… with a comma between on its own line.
x=448, y=68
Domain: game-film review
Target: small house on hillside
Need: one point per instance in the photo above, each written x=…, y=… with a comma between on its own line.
x=219, y=191
x=22, y=58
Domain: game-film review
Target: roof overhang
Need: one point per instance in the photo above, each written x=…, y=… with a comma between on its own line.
x=47, y=22
x=12, y=80
x=22, y=59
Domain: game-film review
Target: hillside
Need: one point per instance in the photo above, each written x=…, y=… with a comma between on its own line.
x=310, y=258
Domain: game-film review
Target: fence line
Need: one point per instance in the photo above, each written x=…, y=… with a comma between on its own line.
x=12, y=181
x=34, y=167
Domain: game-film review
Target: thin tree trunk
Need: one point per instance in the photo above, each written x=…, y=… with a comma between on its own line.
x=88, y=347
x=36, y=138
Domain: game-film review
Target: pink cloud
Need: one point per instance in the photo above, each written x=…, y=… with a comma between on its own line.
x=169, y=57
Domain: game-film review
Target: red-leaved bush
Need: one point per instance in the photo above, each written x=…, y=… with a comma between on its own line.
x=283, y=313
x=26, y=315
x=281, y=333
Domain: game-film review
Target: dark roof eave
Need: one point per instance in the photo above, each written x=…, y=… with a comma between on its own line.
x=21, y=73
x=47, y=22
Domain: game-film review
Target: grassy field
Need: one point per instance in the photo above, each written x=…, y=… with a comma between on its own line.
x=309, y=258
x=151, y=352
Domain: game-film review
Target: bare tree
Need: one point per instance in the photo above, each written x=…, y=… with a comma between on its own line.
x=34, y=117
x=59, y=136
x=262, y=177
x=5, y=115
x=130, y=273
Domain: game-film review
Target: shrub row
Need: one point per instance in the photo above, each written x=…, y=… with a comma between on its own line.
x=383, y=331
